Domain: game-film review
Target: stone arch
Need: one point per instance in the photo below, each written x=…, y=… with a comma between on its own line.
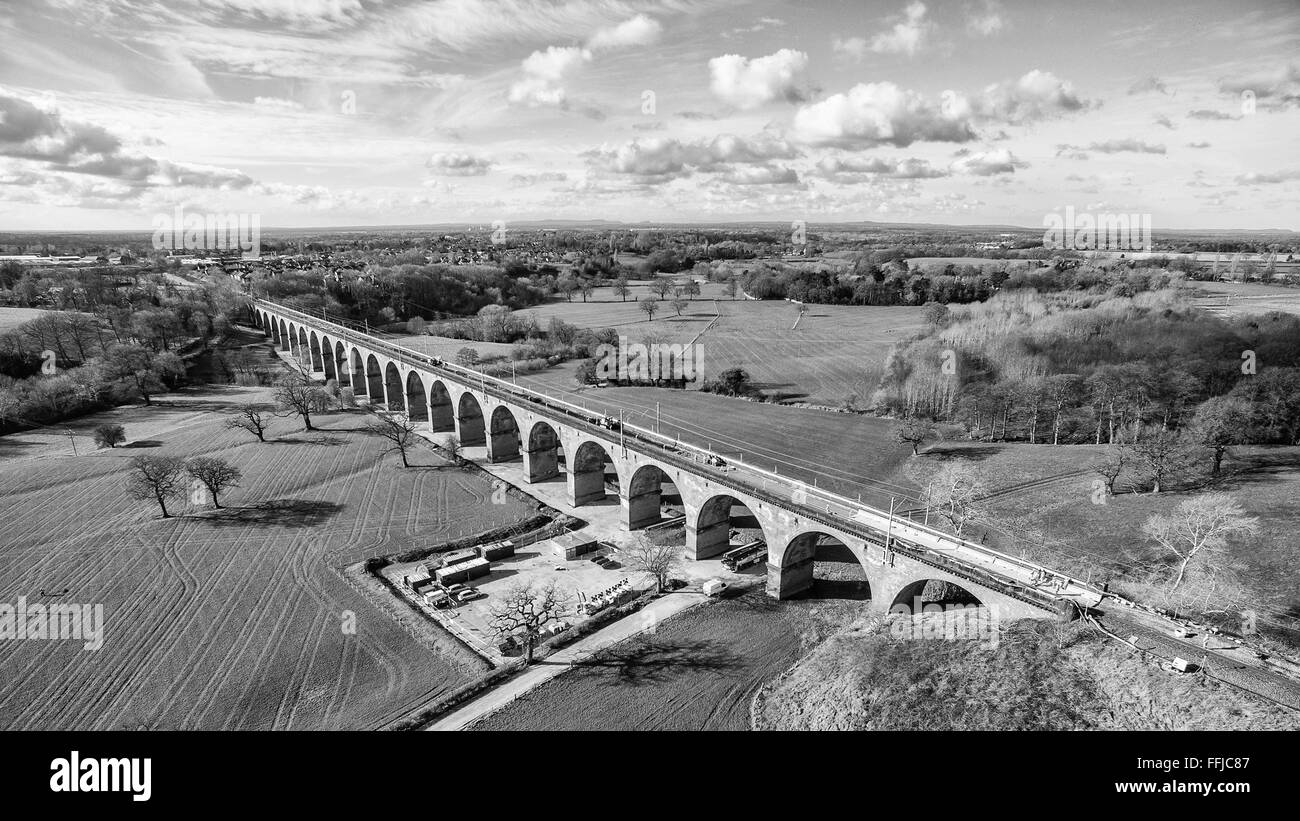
x=284, y=335
x=542, y=453
x=644, y=500
x=918, y=593
x=342, y=372
x=417, y=405
x=503, y=435
x=327, y=359
x=470, y=428
x=317, y=362
x=588, y=473
x=798, y=568
x=708, y=531
x=358, y=374
x=442, y=416
x=302, y=348
x=274, y=328
x=394, y=389
x=374, y=380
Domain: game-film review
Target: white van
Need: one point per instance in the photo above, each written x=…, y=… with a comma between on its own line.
x=714, y=587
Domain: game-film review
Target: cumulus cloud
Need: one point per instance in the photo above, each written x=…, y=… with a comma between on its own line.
x=882, y=113
x=906, y=36
x=904, y=169
x=1037, y=95
x=854, y=48
x=987, y=163
x=1131, y=146
x=1269, y=178
x=747, y=83
x=761, y=175
x=877, y=114
x=1209, y=114
x=526, y=180
x=654, y=160
x=986, y=19
x=637, y=31
x=1148, y=84
x=28, y=132
x=1200, y=144
x=459, y=165
x=1281, y=85
x=1162, y=120
x=543, y=73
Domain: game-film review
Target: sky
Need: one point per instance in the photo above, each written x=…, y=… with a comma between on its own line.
x=359, y=112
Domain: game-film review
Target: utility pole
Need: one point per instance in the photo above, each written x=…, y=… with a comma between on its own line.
x=73, y=441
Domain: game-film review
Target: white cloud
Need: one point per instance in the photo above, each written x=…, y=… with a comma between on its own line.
x=986, y=163
x=905, y=37
x=987, y=19
x=459, y=165
x=1037, y=95
x=879, y=113
x=637, y=31
x=544, y=71
x=750, y=83
x=854, y=48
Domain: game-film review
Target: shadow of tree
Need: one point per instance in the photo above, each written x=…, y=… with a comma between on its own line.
x=275, y=513
x=651, y=660
x=322, y=439
x=143, y=443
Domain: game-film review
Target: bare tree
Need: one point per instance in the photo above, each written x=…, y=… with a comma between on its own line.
x=1220, y=422
x=621, y=288
x=953, y=493
x=452, y=444
x=156, y=477
x=1196, y=533
x=650, y=305
x=524, y=609
x=398, y=431
x=679, y=305
x=1110, y=464
x=657, y=560
x=295, y=394
x=914, y=431
x=217, y=475
x=1164, y=455
x=251, y=418
x=661, y=287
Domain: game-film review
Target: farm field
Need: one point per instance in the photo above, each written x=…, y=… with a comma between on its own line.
x=1243, y=298
x=226, y=619
x=11, y=318
x=844, y=452
x=834, y=353
x=937, y=264
x=698, y=671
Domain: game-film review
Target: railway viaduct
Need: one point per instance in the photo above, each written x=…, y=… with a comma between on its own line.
x=556, y=442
